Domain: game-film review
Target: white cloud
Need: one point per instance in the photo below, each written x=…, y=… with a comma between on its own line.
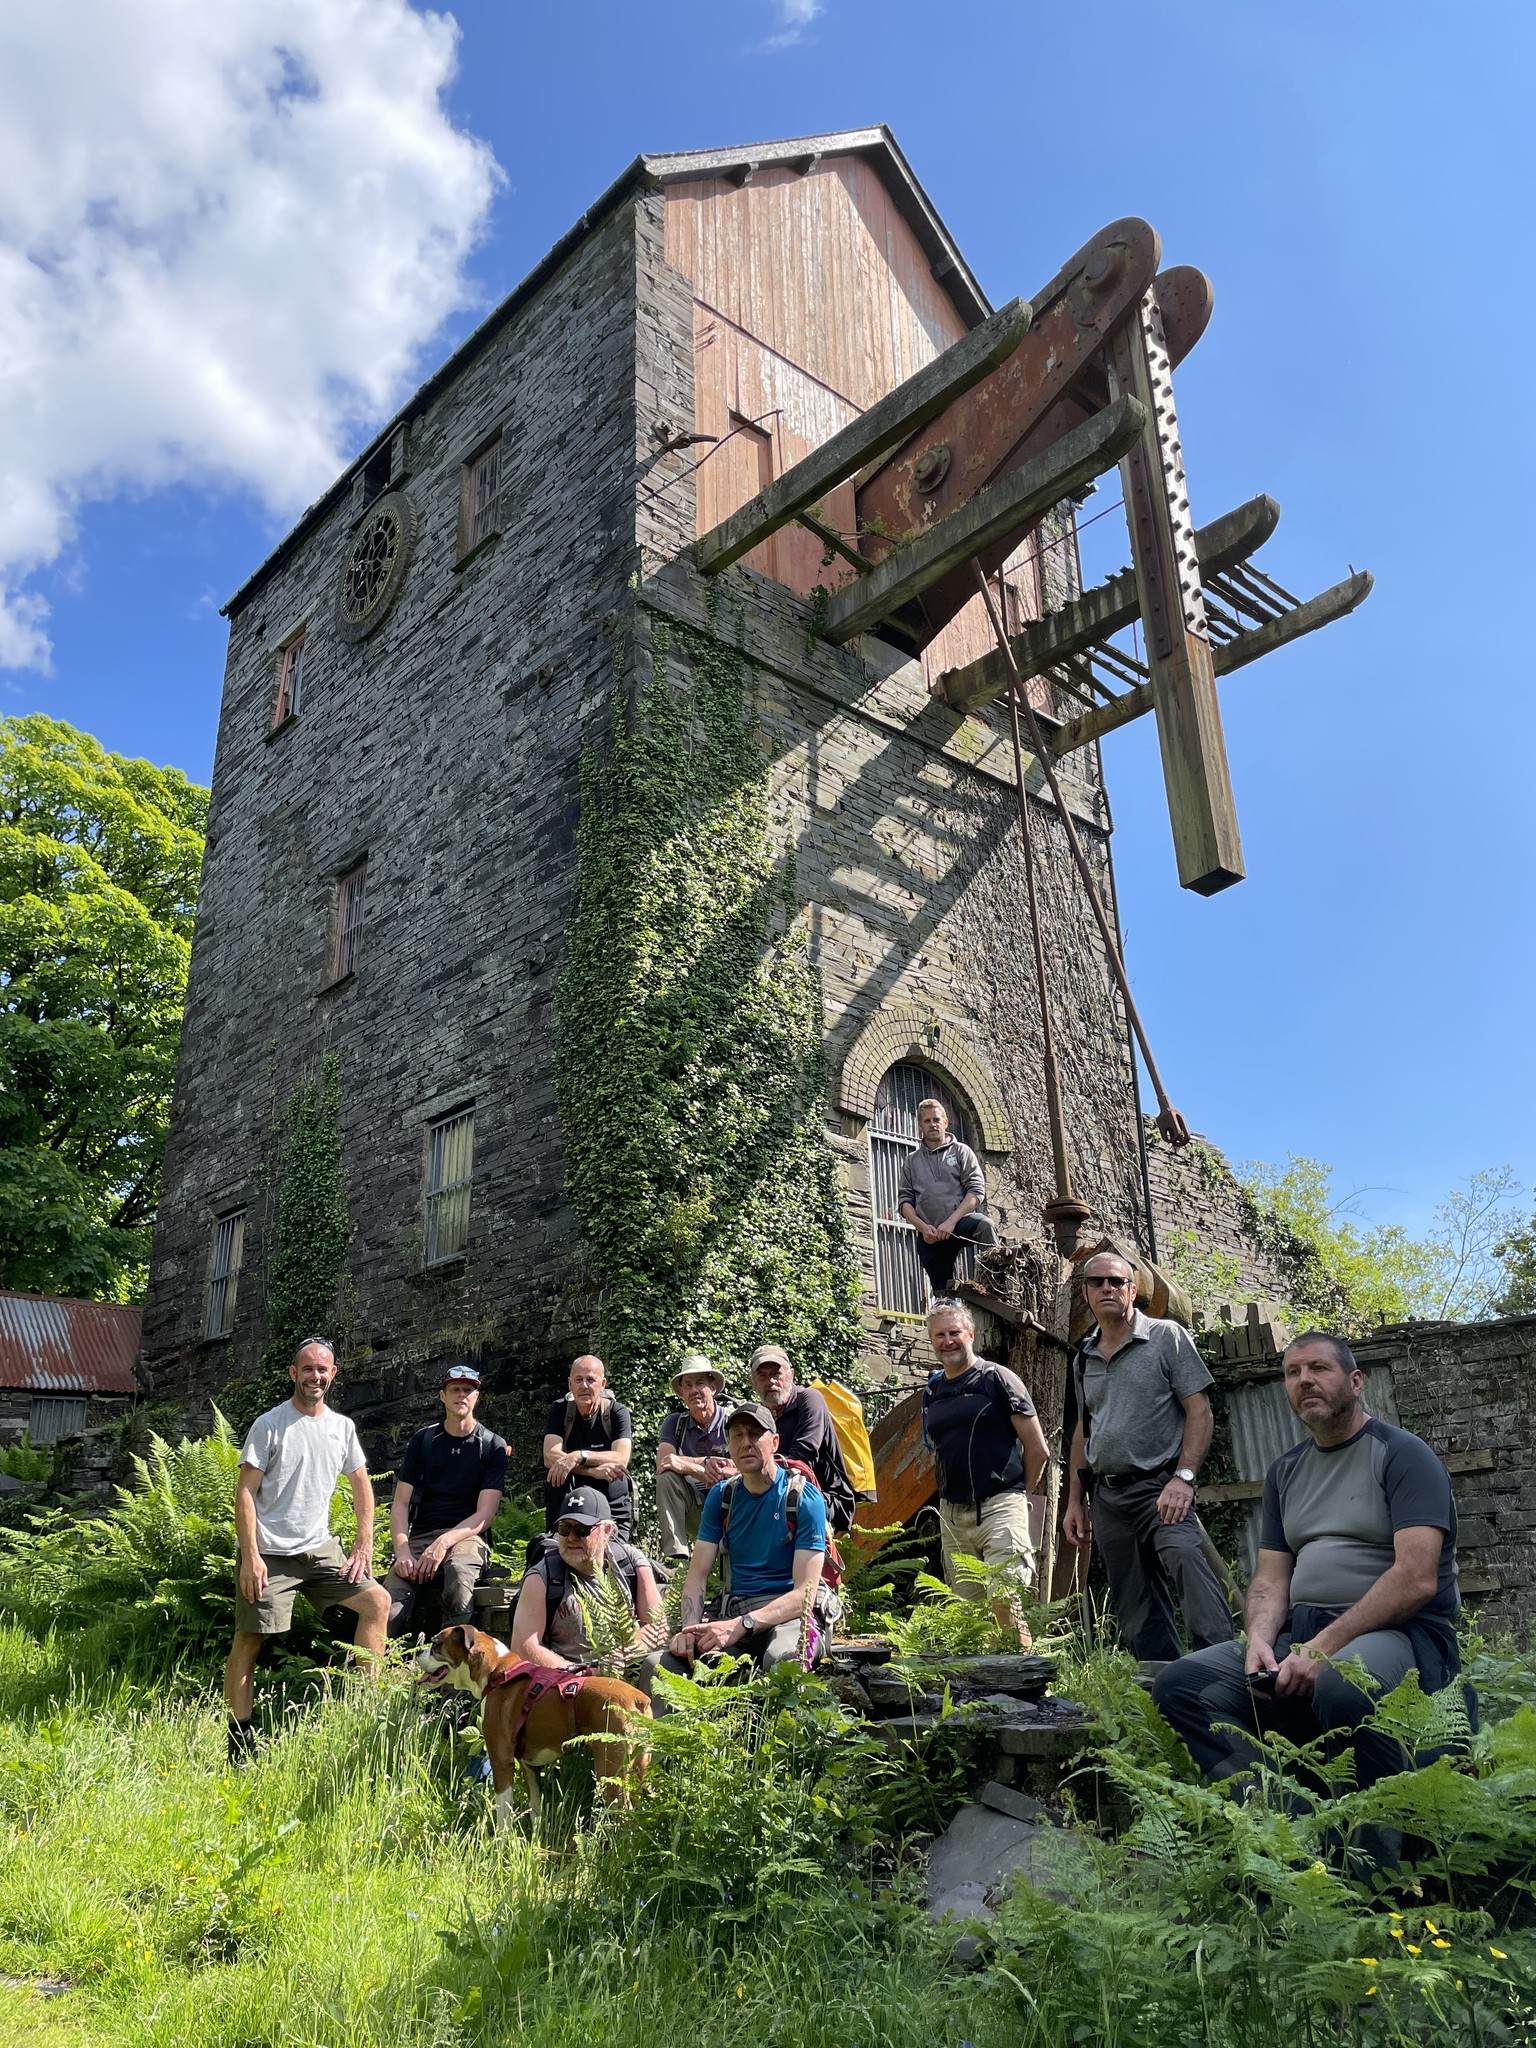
x=795, y=17
x=227, y=229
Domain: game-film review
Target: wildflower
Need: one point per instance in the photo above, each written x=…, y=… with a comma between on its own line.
x=1497, y=1952
x=1369, y=1962
x=1414, y=1950
x=1396, y=1933
x=741, y=1990
x=1430, y=1927
x=1438, y=1943
x=1370, y=1990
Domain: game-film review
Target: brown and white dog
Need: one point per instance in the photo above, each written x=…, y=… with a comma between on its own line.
x=469, y=1661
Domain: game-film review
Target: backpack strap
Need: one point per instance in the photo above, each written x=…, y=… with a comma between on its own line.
x=604, y=1416
x=928, y=1386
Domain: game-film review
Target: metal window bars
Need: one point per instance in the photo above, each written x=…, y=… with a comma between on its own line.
x=901, y=1285
x=450, y=1169
x=224, y=1272
x=349, y=920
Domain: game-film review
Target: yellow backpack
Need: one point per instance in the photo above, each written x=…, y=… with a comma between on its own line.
x=852, y=1437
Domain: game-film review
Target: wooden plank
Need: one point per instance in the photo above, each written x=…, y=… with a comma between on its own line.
x=1481, y=1582
x=1468, y=1461
x=885, y=426
x=1236, y=1489
x=1017, y=498
x=1107, y=609
x=1232, y=655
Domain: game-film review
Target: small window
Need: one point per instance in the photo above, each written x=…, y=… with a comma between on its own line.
x=450, y=1166
x=54, y=1416
x=290, y=680
x=348, y=930
x=387, y=467
x=480, y=498
x=224, y=1272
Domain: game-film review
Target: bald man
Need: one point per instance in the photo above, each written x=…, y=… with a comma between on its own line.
x=588, y=1438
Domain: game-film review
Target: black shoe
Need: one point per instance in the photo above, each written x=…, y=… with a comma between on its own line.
x=242, y=1743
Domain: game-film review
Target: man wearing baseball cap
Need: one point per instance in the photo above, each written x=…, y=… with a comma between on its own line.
x=691, y=1454
x=771, y=1524
x=452, y=1477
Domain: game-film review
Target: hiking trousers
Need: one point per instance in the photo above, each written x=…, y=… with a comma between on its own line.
x=1145, y=1556
x=679, y=1504
x=939, y=1260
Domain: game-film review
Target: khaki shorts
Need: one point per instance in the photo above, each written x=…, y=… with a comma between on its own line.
x=998, y=1533
x=317, y=1574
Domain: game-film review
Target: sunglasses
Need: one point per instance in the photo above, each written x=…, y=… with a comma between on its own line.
x=575, y=1532
x=1106, y=1280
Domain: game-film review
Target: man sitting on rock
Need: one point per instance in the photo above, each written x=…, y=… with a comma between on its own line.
x=451, y=1481
x=691, y=1455
x=805, y=1429
x=592, y=1584
x=1355, y=1584
x=771, y=1524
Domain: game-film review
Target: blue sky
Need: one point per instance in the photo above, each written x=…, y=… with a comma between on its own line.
x=1355, y=179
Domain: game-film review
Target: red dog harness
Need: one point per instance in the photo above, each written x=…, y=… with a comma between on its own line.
x=542, y=1678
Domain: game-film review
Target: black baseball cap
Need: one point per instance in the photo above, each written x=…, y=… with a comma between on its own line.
x=755, y=1413
x=459, y=1370
x=586, y=1505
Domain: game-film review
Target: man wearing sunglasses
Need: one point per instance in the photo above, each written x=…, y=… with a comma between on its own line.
x=1143, y=1426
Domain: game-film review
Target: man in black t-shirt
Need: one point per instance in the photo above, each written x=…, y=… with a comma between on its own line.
x=1355, y=1584
x=451, y=1481
x=588, y=1437
x=806, y=1431
x=990, y=1453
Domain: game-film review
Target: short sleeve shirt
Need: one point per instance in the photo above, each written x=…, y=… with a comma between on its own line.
x=449, y=1473
x=1135, y=1400
x=970, y=1425
x=588, y=1433
x=1336, y=1508
x=689, y=1441
x=761, y=1553
x=300, y=1458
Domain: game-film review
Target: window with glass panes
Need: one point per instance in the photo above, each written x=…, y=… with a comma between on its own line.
x=480, y=498
x=450, y=1167
x=901, y=1285
x=290, y=679
x=224, y=1265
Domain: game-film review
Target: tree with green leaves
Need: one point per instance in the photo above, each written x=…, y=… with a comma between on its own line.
x=99, y=864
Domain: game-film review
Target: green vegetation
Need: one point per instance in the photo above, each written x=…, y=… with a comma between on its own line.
x=347, y=1887
x=689, y=1064
x=99, y=864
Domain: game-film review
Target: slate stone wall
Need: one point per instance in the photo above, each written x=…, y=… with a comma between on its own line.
x=1196, y=1196
x=447, y=746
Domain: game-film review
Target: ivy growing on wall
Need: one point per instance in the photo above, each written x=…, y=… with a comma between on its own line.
x=308, y=1256
x=689, y=1067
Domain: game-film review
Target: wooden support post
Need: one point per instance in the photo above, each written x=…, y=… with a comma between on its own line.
x=885, y=426
x=1107, y=609
x=1018, y=498
x=1178, y=652
x=1231, y=655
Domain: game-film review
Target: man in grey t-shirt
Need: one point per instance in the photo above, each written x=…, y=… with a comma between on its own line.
x=291, y=1460
x=1143, y=1427
x=1357, y=1568
x=939, y=1191
x=691, y=1455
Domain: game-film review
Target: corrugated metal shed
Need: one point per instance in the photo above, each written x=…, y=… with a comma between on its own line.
x=49, y=1346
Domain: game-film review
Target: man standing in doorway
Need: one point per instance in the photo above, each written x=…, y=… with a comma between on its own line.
x=691, y=1454
x=289, y=1466
x=806, y=1432
x=991, y=1455
x=587, y=1441
x=1143, y=1427
x=452, y=1477
x=940, y=1191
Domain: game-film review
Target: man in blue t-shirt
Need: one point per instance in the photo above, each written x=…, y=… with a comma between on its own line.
x=1355, y=1584
x=771, y=1524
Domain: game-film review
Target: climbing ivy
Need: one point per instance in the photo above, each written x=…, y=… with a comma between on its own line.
x=689, y=1066
x=304, y=1270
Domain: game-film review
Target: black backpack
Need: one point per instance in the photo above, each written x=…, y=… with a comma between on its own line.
x=557, y=1575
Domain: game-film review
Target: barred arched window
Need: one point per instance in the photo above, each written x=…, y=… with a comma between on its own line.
x=901, y=1285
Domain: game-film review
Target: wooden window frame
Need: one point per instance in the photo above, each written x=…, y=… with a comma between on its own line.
x=223, y=1287
x=478, y=529
x=448, y=1187
x=348, y=908
x=289, y=700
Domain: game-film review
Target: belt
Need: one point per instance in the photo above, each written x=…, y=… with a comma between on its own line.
x=1130, y=1478
x=1001, y=1493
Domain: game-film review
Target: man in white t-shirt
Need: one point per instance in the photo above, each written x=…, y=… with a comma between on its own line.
x=289, y=1466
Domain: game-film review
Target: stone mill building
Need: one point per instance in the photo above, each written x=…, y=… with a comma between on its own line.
x=413, y=677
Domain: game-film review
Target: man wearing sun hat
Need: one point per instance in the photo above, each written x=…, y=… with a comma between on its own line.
x=691, y=1454
x=452, y=1477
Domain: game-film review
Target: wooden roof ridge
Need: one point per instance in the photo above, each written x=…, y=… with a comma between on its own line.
x=652, y=171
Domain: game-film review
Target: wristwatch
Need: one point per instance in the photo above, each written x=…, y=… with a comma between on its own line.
x=749, y=1624
x=1185, y=1474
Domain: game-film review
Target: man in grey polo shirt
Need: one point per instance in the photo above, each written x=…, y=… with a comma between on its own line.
x=1355, y=1584
x=1143, y=1427
x=940, y=1190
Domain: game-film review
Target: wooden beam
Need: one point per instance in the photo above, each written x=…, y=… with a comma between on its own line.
x=873, y=434
x=1231, y=655
x=1105, y=610
x=831, y=538
x=1017, y=499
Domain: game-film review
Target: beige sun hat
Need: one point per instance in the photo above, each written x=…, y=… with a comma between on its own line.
x=697, y=1367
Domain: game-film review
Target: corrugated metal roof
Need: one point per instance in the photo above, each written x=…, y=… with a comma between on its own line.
x=51, y=1346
